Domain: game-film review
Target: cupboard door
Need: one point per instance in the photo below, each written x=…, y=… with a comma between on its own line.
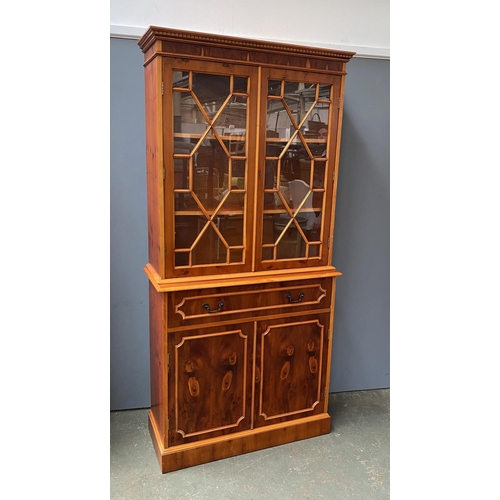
x=209, y=382
x=209, y=141
x=291, y=358
x=297, y=159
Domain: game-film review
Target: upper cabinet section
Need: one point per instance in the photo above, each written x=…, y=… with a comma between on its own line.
x=242, y=143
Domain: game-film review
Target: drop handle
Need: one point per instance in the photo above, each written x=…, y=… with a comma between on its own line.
x=289, y=297
x=211, y=311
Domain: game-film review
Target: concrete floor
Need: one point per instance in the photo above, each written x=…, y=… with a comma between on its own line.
x=352, y=462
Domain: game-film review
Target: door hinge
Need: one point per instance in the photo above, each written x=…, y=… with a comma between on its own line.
x=328, y=242
x=164, y=174
x=163, y=88
x=338, y=106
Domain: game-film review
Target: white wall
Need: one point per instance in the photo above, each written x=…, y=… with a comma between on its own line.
x=358, y=25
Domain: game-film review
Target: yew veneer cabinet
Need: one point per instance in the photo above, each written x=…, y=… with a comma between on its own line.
x=242, y=150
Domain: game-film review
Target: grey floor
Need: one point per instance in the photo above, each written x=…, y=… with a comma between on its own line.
x=351, y=462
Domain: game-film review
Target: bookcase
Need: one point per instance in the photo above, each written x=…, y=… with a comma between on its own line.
x=242, y=152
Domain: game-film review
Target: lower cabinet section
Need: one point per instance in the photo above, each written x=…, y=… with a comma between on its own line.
x=238, y=385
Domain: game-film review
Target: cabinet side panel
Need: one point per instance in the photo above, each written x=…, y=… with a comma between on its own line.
x=332, y=286
x=154, y=165
x=339, y=95
x=158, y=363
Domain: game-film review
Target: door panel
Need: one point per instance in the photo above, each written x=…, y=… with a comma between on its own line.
x=291, y=362
x=209, y=382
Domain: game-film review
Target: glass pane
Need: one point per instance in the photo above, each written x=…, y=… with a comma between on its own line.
x=240, y=85
x=279, y=120
x=274, y=148
x=267, y=254
x=236, y=144
x=315, y=129
x=189, y=122
x=319, y=174
x=211, y=165
x=231, y=125
x=232, y=199
x=232, y=191
x=209, y=249
x=180, y=80
x=268, y=237
x=317, y=200
x=181, y=171
x=324, y=92
x=314, y=250
x=300, y=97
x=235, y=256
x=186, y=231
x=296, y=162
x=182, y=258
x=289, y=240
x=232, y=116
x=211, y=91
x=238, y=170
x=274, y=87
x=221, y=241
x=231, y=228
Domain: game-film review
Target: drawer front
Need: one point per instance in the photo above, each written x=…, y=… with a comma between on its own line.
x=217, y=304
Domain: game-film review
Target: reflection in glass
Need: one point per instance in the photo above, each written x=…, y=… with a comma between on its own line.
x=240, y=85
x=274, y=87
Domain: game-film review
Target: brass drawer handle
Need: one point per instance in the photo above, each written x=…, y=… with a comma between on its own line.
x=289, y=297
x=207, y=307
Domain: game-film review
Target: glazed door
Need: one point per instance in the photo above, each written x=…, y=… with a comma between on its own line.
x=299, y=122
x=209, y=382
x=209, y=143
x=291, y=363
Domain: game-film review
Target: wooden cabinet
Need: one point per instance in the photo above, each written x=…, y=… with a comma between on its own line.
x=242, y=148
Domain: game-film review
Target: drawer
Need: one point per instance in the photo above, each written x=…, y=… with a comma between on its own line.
x=189, y=307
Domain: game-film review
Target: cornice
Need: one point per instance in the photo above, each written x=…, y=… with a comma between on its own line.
x=155, y=33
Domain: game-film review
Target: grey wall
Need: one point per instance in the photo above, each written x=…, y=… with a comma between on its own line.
x=129, y=315
x=361, y=247
x=360, y=357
